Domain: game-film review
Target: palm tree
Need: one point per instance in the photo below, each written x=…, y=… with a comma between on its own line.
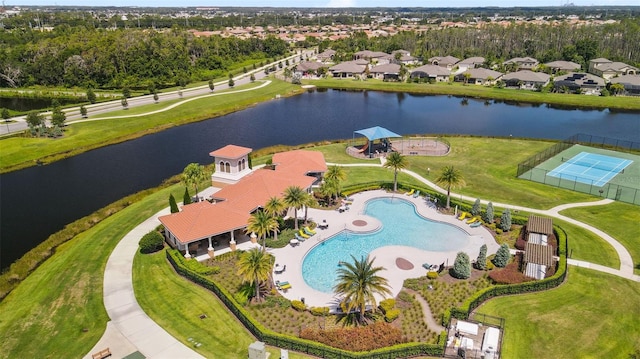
x=255, y=267
x=192, y=175
x=358, y=282
x=274, y=207
x=397, y=162
x=261, y=224
x=334, y=175
x=295, y=197
x=308, y=202
x=450, y=178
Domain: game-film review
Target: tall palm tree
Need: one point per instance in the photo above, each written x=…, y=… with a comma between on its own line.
x=261, y=224
x=395, y=161
x=192, y=175
x=255, y=267
x=274, y=207
x=358, y=282
x=450, y=178
x=309, y=201
x=295, y=197
x=333, y=178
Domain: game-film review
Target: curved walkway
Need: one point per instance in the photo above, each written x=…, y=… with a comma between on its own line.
x=131, y=330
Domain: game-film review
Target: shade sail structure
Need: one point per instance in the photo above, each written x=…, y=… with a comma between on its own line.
x=377, y=132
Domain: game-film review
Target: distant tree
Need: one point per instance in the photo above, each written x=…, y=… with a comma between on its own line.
x=193, y=174
x=450, y=178
x=295, y=197
x=57, y=115
x=252, y=78
x=156, y=97
x=505, y=220
x=296, y=79
x=461, y=267
x=126, y=92
x=261, y=223
x=488, y=214
x=186, y=198
x=274, y=208
x=616, y=89
x=124, y=103
x=244, y=69
x=231, y=82
x=34, y=119
x=83, y=111
x=481, y=261
x=466, y=76
x=211, y=85
x=172, y=204
x=396, y=162
x=475, y=210
x=5, y=114
x=502, y=256
x=279, y=64
x=91, y=96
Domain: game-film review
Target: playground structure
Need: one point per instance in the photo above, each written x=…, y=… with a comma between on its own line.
x=409, y=146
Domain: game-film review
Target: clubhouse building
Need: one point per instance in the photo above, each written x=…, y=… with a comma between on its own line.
x=221, y=221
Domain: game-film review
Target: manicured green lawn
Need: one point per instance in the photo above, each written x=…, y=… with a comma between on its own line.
x=587, y=246
x=592, y=315
x=459, y=89
x=45, y=315
x=620, y=220
x=221, y=334
x=18, y=152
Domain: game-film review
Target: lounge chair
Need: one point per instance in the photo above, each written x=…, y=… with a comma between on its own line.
x=283, y=285
x=298, y=237
x=475, y=224
x=415, y=195
x=279, y=270
x=472, y=220
x=463, y=215
x=410, y=192
x=309, y=231
x=303, y=235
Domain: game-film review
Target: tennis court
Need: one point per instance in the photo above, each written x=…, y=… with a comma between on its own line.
x=590, y=168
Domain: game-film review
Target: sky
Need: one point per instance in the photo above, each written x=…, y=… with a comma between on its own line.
x=320, y=3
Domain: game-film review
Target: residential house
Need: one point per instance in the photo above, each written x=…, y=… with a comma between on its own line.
x=609, y=69
x=526, y=80
x=387, y=72
x=404, y=58
x=522, y=63
x=580, y=83
x=326, y=56
x=631, y=84
x=349, y=69
x=479, y=76
x=308, y=69
x=448, y=61
x=374, y=57
x=562, y=66
x=431, y=73
x=202, y=226
x=470, y=63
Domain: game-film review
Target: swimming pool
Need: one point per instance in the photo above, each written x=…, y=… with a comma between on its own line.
x=401, y=225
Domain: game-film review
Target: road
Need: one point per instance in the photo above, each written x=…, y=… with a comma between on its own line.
x=73, y=113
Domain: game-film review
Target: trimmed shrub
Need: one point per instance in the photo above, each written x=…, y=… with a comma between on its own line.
x=488, y=214
x=376, y=335
x=298, y=305
x=387, y=304
x=392, y=315
x=432, y=275
x=502, y=256
x=241, y=298
x=481, y=261
x=172, y=204
x=151, y=242
x=319, y=311
x=461, y=267
x=475, y=210
x=505, y=220
x=186, y=198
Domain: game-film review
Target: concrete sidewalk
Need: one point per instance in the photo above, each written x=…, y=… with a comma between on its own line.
x=130, y=329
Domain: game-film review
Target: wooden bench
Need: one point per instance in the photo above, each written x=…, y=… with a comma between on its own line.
x=104, y=353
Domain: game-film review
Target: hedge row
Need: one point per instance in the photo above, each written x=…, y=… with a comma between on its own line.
x=479, y=297
x=294, y=343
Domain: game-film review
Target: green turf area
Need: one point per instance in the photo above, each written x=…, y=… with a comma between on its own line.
x=619, y=220
x=592, y=315
x=45, y=315
x=458, y=89
x=587, y=246
x=18, y=152
x=221, y=334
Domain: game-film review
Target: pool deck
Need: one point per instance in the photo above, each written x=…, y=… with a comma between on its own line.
x=353, y=220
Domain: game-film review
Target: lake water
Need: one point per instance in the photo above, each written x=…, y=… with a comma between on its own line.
x=38, y=201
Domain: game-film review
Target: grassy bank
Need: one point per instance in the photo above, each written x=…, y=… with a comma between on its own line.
x=459, y=89
x=592, y=315
x=20, y=152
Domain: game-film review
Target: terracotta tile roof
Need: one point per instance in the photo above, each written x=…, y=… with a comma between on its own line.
x=231, y=152
x=234, y=203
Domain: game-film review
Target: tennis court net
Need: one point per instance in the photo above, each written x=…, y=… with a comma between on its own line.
x=614, y=167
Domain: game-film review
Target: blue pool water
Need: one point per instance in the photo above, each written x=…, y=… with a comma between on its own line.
x=401, y=225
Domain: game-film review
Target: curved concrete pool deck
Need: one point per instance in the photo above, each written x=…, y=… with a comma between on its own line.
x=352, y=219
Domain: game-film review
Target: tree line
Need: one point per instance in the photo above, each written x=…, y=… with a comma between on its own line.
x=115, y=58
x=615, y=41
